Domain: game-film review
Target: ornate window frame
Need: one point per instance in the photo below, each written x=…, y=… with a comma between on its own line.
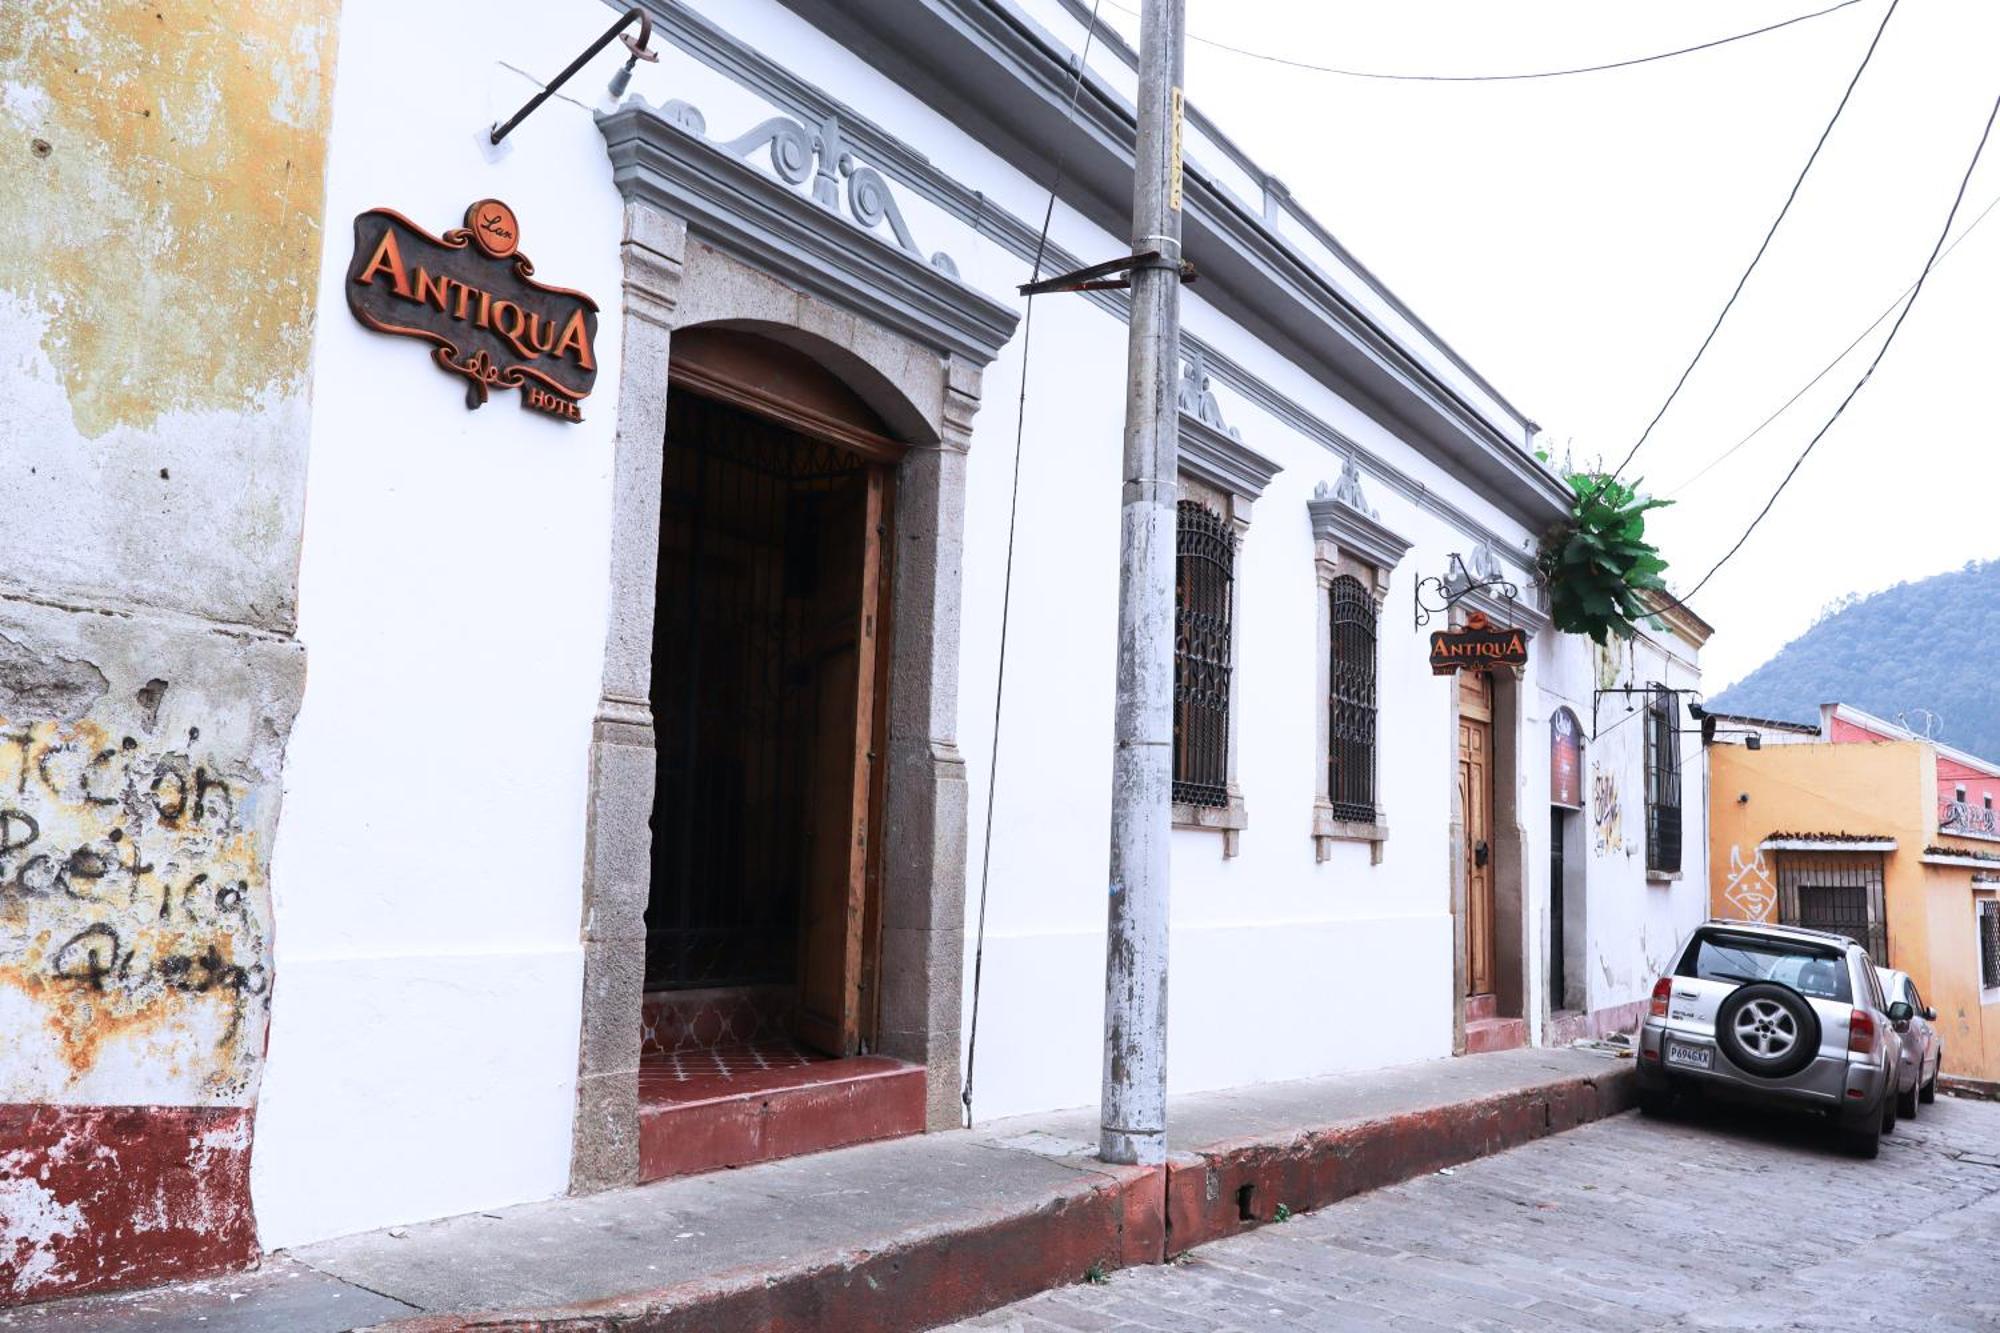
x=1349, y=539
x=1228, y=476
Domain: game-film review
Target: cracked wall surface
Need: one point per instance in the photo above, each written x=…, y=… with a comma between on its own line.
x=161, y=190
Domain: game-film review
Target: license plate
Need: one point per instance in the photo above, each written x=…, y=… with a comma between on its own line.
x=1694, y=1057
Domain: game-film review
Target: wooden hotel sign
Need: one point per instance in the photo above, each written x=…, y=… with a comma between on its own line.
x=1477, y=645
x=471, y=293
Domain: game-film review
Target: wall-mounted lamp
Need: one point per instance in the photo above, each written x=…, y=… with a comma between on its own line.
x=1753, y=742
x=641, y=50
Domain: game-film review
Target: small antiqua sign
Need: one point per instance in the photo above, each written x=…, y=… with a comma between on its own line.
x=1565, y=759
x=471, y=293
x=1477, y=645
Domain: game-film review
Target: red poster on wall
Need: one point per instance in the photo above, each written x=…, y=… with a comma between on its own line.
x=1565, y=760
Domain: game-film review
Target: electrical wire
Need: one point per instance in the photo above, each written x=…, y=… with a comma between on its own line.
x=1827, y=369
x=1007, y=580
x=1910, y=304
x=1741, y=282
x=1500, y=78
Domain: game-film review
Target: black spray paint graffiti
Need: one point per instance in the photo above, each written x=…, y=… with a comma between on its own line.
x=138, y=864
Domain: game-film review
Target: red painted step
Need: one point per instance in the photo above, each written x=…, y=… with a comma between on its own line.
x=724, y=1107
x=1495, y=1034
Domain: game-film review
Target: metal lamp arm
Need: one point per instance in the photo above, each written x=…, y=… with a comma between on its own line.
x=641, y=50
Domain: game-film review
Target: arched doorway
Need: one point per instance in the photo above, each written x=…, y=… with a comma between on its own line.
x=873, y=351
x=768, y=694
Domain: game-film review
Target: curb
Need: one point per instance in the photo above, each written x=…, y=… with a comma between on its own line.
x=1978, y=1089
x=1110, y=1217
x=1236, y=1186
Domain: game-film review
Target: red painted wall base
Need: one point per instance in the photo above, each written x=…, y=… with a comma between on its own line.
x=98, y=1197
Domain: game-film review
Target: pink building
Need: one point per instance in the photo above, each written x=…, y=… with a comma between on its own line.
x=1968, y=786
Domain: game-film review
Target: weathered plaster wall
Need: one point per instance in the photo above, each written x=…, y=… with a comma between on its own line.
x=160, y=171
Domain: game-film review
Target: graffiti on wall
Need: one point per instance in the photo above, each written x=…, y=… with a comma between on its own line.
x=131, y=933
x=1607, y=817
x=1750, y=888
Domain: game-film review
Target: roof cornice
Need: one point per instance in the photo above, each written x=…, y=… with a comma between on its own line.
x=989, y=68
x=753, y=69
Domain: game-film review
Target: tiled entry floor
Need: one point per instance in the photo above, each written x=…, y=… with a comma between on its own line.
x=705, y=1108
x=707, y=1066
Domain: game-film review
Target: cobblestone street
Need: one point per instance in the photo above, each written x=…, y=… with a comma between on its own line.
x=1708, y=1220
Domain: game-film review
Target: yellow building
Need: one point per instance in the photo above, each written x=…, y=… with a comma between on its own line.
x=1836, y=827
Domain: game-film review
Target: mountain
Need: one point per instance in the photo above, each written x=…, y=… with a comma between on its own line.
x=1929, y=644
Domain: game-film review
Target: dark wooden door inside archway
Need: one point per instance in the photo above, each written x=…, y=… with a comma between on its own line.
x=766, y=689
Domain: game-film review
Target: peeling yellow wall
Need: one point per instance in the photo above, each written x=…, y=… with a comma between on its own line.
x=164, y=184
x=162, y=179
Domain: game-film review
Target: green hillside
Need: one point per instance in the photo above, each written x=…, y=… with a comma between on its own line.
x=1928, y=644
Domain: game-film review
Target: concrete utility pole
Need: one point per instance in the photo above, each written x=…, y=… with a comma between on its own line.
x=1134, y=1110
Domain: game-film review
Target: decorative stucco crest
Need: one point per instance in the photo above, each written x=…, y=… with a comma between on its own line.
x=1347, y=490
x=1485, y=562
x=1343, y=520
x=1197, y=399
x=1212, y=450
x=800, y=154
x=662, y=159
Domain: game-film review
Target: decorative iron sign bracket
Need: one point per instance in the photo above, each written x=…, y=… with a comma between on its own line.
x=1457, y=584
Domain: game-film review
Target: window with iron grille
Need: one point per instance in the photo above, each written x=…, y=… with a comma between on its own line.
x=1663, y=781
x=1204, y=571
x=1836, y=891
x=1350, y=781
x=1989, y=943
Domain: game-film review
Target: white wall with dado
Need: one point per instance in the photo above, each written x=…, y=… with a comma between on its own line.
x=452, y=601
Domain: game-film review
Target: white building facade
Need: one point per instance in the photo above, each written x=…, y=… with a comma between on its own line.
x=696, y=696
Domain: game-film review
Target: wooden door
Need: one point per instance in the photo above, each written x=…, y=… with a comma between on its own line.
x=844, y=640
x=1475, y=797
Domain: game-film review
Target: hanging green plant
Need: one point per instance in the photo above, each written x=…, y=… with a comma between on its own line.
x=1596, y=565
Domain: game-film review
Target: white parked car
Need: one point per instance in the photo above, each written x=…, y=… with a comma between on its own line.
x=1923, y=1049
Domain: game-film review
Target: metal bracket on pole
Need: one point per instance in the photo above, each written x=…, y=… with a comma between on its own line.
x=1098, y=277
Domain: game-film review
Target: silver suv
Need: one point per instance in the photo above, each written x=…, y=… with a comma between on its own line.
x=1779, y=1016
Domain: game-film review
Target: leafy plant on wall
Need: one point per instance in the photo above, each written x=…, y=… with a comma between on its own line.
x=1596, y=564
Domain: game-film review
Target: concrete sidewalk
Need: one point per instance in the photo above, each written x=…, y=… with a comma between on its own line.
x=905, y=1234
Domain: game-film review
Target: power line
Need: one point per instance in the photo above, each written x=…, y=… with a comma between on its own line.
x=1827, y=369
x=1766, y=245
x=1007, y=580
x=1499, y=78
x=1909, y=305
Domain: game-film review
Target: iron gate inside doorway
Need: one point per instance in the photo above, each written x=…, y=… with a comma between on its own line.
x=742, y=499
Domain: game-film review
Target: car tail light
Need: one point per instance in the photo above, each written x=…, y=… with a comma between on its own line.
x=1860, y=1033
x=1661, y=990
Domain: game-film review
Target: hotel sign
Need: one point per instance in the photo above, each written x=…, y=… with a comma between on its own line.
x=1565, y=759
x=471, y=294
x=1477, y=645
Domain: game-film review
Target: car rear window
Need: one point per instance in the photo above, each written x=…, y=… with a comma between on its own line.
x=1808, y=969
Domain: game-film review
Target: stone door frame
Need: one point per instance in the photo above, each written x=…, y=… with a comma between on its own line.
x=674, y=279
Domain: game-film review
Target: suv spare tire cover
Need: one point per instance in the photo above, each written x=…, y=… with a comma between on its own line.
x=1781, y=1029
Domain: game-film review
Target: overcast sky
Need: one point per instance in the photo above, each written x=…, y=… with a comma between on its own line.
x=1574, y=238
